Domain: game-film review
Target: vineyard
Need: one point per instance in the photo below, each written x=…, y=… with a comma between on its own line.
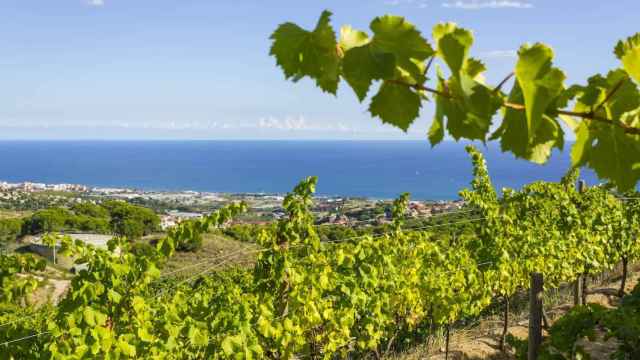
x=375, y=294
x=364, y=296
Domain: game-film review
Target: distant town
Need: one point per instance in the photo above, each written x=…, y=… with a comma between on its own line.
x=176, y=206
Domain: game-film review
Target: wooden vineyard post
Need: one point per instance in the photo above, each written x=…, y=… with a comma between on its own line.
x=577, y=291
x=584, y=288
x=535, y=315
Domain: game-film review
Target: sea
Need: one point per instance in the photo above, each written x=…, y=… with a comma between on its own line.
x=372, y=169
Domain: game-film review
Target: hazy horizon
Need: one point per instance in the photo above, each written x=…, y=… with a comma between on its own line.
x=116, y=69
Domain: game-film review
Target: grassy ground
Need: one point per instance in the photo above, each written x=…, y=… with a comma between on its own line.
x=217, y=252
x=13, y=214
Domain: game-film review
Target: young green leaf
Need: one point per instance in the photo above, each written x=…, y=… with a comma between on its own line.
x=361, y=65
x=453, y=44
x=628, y=51
x=303, y=53
x=540, y=82
x=608, y=150
x=515, y=137
x=350, y=38
x=396, y=104
x=469, y=109
x=394, y=35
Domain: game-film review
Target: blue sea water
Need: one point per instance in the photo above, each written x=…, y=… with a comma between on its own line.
x=375, y=169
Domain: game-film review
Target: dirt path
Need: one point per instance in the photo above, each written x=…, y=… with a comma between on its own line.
x=53, y=289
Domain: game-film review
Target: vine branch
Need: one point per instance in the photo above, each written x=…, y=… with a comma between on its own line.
x=503, y=82
x=426, y=69
x=610, y=94
x=520, y=107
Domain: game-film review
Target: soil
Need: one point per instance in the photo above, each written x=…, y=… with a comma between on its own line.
x=481, y=342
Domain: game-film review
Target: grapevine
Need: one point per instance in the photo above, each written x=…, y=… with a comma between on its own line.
x=394, y=67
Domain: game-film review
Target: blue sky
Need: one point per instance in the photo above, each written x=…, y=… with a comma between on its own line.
x=198, y=69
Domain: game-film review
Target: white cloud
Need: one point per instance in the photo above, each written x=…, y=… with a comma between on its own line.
x=498, y=54
x=494, y=4
x=419, y=3
x=288, y=124
x=96, y=3
x=301, y=124
x=283, y=124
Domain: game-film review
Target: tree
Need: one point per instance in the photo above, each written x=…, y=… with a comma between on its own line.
x=606, y=110
x=90, y=210
x=48, y=220
x=131, y=221
x=10, y=229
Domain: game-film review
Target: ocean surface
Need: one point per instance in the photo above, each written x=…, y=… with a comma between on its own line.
x=374, y=169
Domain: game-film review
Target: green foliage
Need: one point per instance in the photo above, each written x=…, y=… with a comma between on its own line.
x=244, y=232
x=10, y=229
x=533, y=141
x=400, y=206
x=385, y=105
x=606, y=118
x=90, y=210
x=609, y=150
x=15, y=287
x=89, y=224
x=465, y=101
x=354, y=296
x=628, y=51
x=48, y=220
x=308, y=53
x=539, y=82
x=578, y=323
x=131, y=221
x=592, y=321
x=117, y=217
x=188, y=234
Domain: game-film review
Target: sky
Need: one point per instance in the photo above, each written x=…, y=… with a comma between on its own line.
x=200, y=69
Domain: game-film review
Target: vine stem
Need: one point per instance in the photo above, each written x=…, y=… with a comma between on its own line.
x=520, y=107
x=497, y=88
x=426, y=69
x=610, y=94
x=446, y=354
x=625, y=272
x=505, y=323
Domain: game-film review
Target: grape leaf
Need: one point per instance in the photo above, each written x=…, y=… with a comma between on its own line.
x=515, y=137
x=469, y=109
x=471, y=105
x=613, y=154
x=303, y=53
x=628, y=51
x=396, y=36
x=361, y=66
x=396, y=104
x=436, y=131
x=126, y=348
x=350, y=38
x=144, y=335
x=453, y=44
x=474, y=68
x=625, y=99
x=539, y=81
x=599, y=88
x=198, y=337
